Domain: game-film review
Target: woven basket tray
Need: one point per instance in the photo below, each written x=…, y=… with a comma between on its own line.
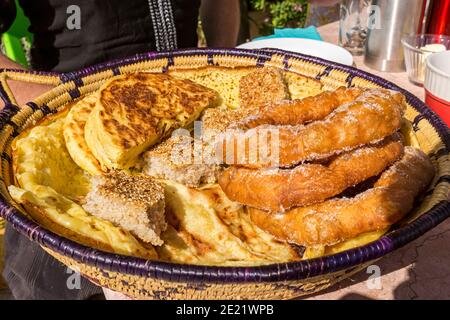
x=140, y=278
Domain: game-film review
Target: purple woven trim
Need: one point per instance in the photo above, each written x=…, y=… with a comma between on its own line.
x=270, y=273
x=325, y=73
x=262, y=55
x=46, y=110
x=116, y=71
x=33, y=106
x=5, y=117
x=8, y=111
x=193, y=273
x=3, y=95
x=210, y=60
x=75, y=93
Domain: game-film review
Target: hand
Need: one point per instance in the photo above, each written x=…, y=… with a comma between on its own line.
x=24, y=92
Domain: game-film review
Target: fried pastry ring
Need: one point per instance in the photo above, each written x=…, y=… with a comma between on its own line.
x=372, y=116
x=300, y=111
x=336, y=220
x=282, y=189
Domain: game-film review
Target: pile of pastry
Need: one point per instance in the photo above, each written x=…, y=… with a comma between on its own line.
x=312, y=171
x=105, y=133
x=338, y=166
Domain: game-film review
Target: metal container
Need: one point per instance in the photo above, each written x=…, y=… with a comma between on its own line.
x=389, y=21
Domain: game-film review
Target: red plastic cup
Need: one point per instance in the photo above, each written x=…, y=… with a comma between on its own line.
x=440, y=106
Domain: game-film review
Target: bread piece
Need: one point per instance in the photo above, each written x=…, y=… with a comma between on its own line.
x=74, y=135
x=261, y=87
x=135, y=111
x=300, y=86
x=221, y=79
x=219, y=119
x=174, y=159
x=226, y=82
x=135, y=203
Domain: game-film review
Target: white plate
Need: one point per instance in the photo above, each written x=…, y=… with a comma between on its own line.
x=315, y=48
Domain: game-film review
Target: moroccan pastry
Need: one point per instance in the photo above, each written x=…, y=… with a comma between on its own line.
x=281, y=189
x=300, y=111
x=261, y=87
x=218, y=119
x=74, y=135
x=135, y=203
x=257, y=88
x=51, y=186
x=131, y=121
x=135, y=111
x=181, y=159
x=372, y=116
x=226, y=81
x=336, y=220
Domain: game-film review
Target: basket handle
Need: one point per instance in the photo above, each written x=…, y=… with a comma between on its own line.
x=6, y=94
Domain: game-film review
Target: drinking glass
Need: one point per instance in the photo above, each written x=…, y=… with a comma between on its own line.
x=353, y=25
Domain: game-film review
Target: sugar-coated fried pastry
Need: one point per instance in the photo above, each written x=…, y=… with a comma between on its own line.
x=336, y=220
x=263, y=86
x=282, y=189
x=300, y=111
x=74, y=135
x=372, y=116
x=135, y=111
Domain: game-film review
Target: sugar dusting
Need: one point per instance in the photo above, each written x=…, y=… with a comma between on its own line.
x=130, y=188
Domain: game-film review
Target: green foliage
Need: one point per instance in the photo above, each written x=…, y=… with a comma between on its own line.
x=281, y=13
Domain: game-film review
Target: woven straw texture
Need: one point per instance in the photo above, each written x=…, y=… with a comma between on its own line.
x=143, y=279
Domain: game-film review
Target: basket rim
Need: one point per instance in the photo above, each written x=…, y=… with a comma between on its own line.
x=295, y=270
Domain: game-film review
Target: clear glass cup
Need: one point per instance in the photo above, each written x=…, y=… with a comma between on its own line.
x=353, y=25
x=417, y=48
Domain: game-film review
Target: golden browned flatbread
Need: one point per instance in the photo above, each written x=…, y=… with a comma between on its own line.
x=74, y=135
x=135, y=111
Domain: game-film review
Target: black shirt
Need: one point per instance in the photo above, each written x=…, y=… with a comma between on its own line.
x=108, y=29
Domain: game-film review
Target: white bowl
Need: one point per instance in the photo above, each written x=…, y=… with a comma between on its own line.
x=437, y=75
x=315, y=48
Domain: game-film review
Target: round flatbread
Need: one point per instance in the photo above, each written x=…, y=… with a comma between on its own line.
x=74, y=135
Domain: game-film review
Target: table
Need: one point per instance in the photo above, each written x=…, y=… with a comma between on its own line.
x=329, y=33
x=420, y=270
